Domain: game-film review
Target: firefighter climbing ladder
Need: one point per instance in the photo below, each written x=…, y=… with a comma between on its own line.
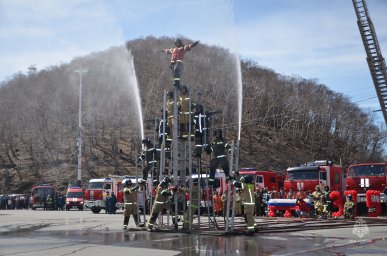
x=375, y=59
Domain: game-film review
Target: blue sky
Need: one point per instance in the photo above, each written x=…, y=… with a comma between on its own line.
x=316, y=39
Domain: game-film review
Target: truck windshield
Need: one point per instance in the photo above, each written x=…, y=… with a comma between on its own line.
x=302, y=175
x=96, y=185
x=367, y=170
x=74, y=195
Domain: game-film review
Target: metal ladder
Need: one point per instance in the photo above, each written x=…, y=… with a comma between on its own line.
x=375, y=59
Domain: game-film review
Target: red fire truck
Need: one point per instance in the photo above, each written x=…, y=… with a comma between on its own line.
x=97, y=191
x=74, y=198
x=264, y=179
x=307, y=176
x=367, y=176
x=39, y=194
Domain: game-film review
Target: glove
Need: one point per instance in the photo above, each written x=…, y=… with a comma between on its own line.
x=195, y=43
x=208, y=150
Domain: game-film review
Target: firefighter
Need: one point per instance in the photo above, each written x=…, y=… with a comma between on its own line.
x=161, y=202
x=202, y=126
x=238, y=203
x=322, y=209
x=349, y=208
x=130, y=202
x=248, y=200
x=185, y=111
x=327, y=194
x=316, y=195
x=193, y=202
x=177, y=59
x=219, y=147
x=170, y=105
x=150, y=156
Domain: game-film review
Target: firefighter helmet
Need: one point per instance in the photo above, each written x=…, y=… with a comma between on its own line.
x=170, y=94
x=248, y=179
x=178, y=42
x=146, y=141
x=184, y=89
x=219, y=133
x=128, y=183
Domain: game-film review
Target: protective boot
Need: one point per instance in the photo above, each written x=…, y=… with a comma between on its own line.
x=136, y=220
x=126, y=221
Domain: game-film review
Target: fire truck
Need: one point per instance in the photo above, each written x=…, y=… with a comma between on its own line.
x=74, y=198
x=367, y=176
x=98, y=189
x=39, y=194
x=307, y=176
x=96, y=194
x=264, y=179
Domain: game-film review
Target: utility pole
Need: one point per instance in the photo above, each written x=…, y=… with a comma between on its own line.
x=79, y=142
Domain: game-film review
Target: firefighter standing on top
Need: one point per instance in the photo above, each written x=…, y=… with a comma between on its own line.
x=130, y=201
x=248, y=200
x=219, y=147
x=177, y=59
x=150, y=157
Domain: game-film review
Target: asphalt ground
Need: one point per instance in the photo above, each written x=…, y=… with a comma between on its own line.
x=54, y=233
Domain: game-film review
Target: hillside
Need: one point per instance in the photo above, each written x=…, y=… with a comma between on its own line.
x=285, y=120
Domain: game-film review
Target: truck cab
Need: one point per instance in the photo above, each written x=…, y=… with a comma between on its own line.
x=367, y=176
x=307, y=176
x=263, y=179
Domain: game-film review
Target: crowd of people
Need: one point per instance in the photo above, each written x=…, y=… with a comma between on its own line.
x=54, y=201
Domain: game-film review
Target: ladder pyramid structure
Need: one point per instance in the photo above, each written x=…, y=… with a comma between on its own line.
x=375, y=59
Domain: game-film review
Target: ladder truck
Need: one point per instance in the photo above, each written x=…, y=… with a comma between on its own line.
x=375, y=60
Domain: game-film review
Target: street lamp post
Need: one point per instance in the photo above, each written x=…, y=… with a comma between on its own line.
x=79, y=143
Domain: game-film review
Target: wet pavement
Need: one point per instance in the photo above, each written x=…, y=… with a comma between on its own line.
x=27, y=232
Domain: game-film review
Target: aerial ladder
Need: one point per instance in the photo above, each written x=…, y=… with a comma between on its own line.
x=375, y=60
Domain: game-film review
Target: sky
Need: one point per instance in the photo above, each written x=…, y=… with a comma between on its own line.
x=313, y=39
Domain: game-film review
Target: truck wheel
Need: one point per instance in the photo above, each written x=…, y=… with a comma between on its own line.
x=95, y=209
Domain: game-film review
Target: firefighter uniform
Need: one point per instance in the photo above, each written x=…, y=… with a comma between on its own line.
x=130, y=202
x=322, y=208
x=219, y=148
x=202, y=125
x=316, y=195
x=177, y=58
x=185, y=111
x=349, y=208
x=248, y=200
x=150, y=156
x=162, y=201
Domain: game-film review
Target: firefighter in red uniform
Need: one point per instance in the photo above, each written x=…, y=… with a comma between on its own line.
x=177, y=59
x=219, y=147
